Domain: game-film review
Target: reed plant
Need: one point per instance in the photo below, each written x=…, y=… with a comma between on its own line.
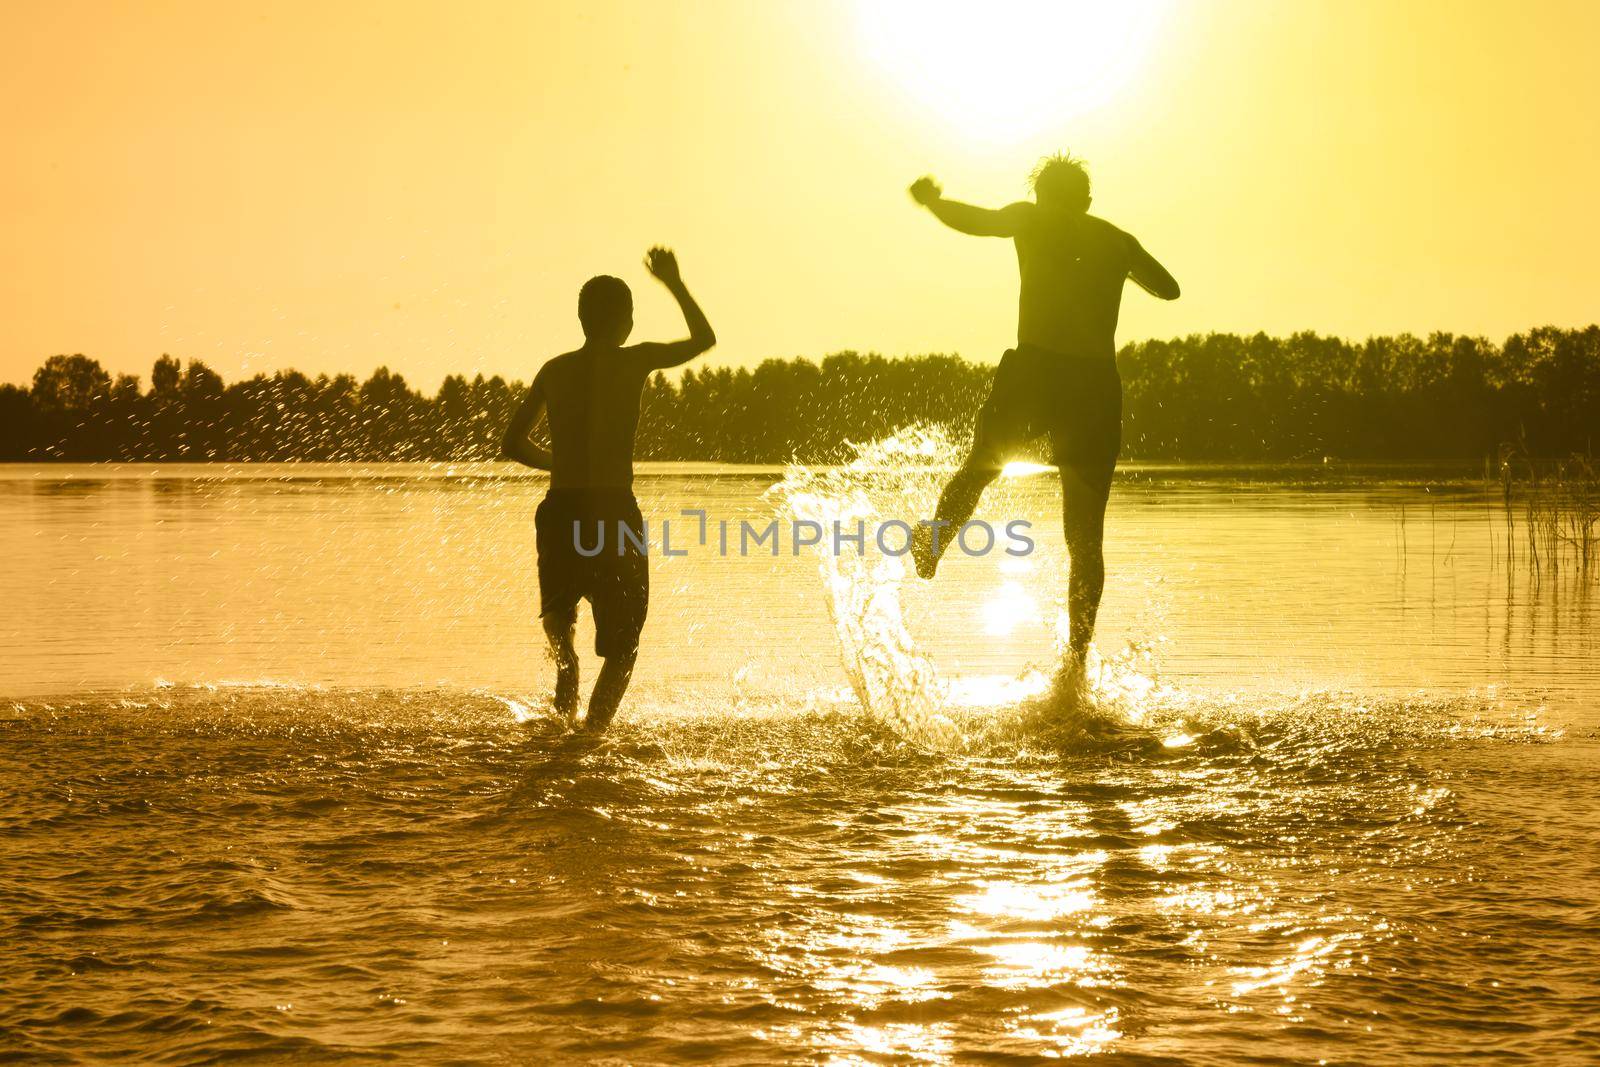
x=1557, y=503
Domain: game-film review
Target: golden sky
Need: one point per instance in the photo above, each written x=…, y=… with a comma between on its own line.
x=331, y=186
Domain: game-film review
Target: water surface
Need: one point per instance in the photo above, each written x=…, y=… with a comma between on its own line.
x=279, y=780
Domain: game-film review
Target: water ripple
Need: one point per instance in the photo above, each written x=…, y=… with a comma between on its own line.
x=200, y=874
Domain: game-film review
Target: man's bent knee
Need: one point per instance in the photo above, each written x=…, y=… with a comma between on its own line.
x=981, y=469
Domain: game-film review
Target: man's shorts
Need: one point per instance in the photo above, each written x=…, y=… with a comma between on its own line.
x=1074, y=400
x=615, y=580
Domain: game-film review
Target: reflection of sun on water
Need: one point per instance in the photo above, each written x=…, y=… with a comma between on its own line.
x=1010, y=605
x=1026, y=964
x=1077, y=1030
x=1006, y=69
x=1032, y=902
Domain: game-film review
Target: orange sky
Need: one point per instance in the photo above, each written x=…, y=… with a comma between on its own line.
x=335, y=186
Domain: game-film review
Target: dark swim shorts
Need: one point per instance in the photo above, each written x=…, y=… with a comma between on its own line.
x=615, y=580
x=1075, y=400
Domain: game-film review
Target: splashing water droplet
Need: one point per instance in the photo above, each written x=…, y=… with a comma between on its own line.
x=889, y=479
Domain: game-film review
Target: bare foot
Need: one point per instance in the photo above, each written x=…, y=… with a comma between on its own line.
x=565, y=701
x=1070, y=687
x=923, y=552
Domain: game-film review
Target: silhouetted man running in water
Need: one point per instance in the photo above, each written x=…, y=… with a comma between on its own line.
x=1061, y=379
x=591, y=398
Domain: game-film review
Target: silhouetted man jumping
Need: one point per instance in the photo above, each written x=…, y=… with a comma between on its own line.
x=1061, y=379
x=591, y=398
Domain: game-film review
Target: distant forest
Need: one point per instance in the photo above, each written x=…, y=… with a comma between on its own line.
x=1211, y=397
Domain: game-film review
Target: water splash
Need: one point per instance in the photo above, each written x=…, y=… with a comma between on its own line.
x=899, y=478
x=893, y=478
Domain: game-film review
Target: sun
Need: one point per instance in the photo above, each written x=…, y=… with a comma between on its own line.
x=1003, y=70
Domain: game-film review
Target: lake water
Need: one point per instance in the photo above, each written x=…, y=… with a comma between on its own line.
x=278, y=779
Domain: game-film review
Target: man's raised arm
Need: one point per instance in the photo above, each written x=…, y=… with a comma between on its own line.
x=659, y=355
x=965, y=218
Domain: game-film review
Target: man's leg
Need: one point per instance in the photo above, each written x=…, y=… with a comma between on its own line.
x=615, y=673
x=1003, y=423
x=621, y=600
x=559, y=627
x=1083, y=517
x=956, y=505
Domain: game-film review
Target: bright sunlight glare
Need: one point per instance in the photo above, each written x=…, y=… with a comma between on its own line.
x=1010, y=606
x=1002, y=71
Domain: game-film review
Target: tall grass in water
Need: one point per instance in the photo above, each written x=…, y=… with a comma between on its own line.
x=1559, y=509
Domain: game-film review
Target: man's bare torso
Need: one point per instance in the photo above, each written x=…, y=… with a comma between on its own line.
x=1073, y=267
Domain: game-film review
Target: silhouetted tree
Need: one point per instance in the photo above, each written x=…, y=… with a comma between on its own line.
x=202, y=392
x=66, y=394
x=19, y=434
x=1203, y=397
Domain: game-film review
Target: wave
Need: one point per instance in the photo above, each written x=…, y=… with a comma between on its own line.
x=1124, y=714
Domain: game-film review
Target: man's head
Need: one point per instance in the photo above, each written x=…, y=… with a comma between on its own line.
x=1060, y=181
x=605, y=307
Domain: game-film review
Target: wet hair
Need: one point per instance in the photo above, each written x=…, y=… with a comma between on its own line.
x=1061, y=177
x=603, y=302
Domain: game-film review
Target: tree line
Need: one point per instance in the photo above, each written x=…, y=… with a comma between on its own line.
x=1202, y=397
